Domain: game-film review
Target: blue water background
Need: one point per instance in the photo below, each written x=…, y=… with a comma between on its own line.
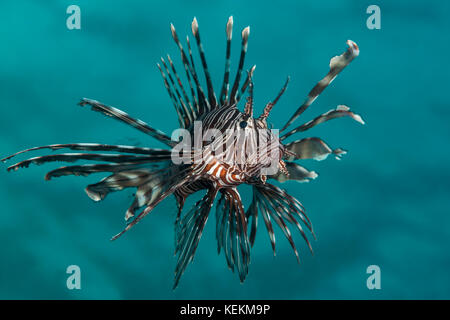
x=386, y=203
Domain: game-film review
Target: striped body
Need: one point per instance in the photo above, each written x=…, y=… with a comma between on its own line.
x=238, y=162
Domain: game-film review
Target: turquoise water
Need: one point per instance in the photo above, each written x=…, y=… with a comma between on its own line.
x=386, y=203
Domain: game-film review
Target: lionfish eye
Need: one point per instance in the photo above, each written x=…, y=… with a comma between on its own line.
x=243, y=124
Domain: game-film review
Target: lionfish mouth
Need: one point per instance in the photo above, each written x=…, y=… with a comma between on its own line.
x=156, y=174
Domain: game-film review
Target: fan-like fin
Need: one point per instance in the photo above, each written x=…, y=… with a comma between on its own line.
x=190, y=111
x=87, y=169
x=337, y=64
x=172, y=96
x=116, y=182
x=270, y=105
x=340, y=111
x=231, y=231
x=311, y=148
x=274, y=203
x=226, y=77
x=95, y=147
x=72, y=157
x=188, y=76
x=203, y=103
x=190, y=231
x=289, y=202
x=187, y=118
x=265, y=212
x=245, y=84
x=274, y=209
x=170, y=179
x=211, y=94
x=252, y=212
x=295, y=172
x=233, y=94
x=248, y=109
x=124, y=117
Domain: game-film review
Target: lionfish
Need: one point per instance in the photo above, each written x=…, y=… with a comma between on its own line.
x=156, y=176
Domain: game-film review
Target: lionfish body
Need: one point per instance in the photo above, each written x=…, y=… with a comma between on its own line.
x=215, y=171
